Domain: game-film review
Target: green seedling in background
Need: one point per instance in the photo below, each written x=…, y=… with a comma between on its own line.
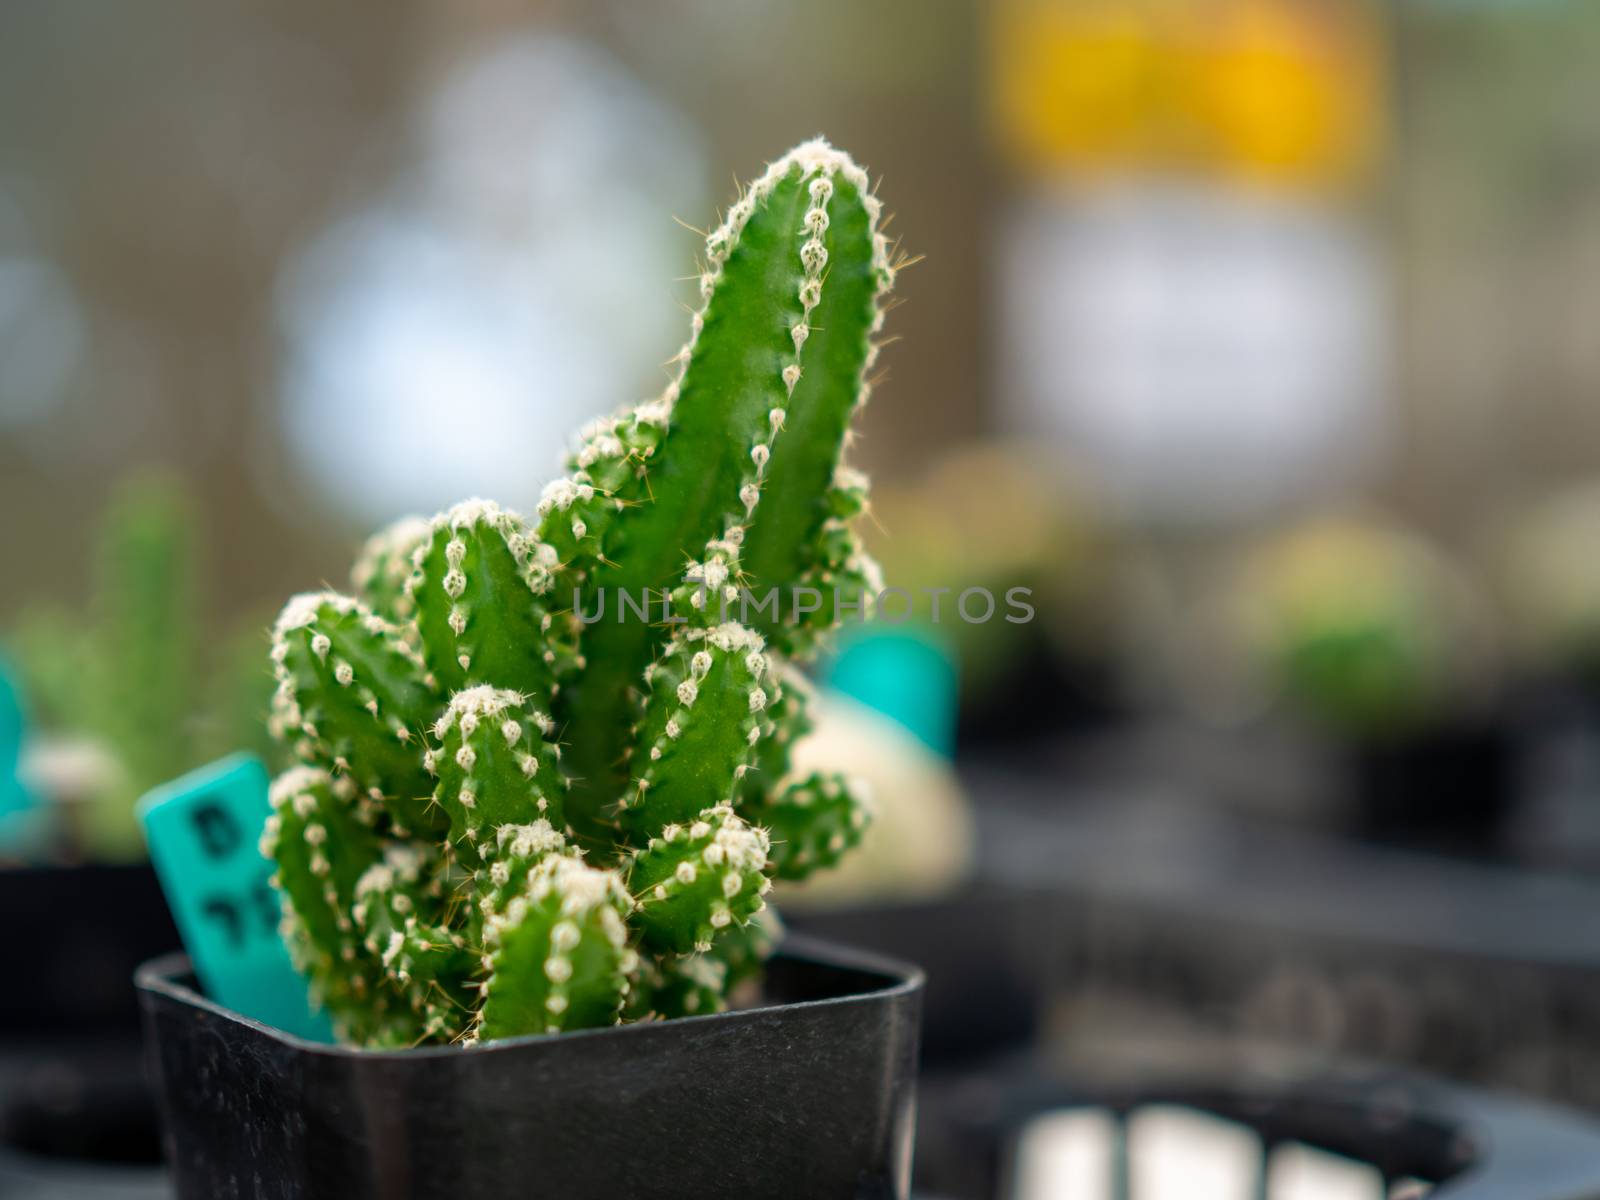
x=1361, y=628
x=126, y=675
x=508, y=821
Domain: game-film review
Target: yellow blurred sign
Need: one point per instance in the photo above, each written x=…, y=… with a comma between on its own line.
x=1283, y=91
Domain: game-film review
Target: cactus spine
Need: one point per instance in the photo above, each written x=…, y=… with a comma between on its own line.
x=546, y=777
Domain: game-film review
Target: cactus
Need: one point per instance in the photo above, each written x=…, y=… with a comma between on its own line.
x=1363, y=627
x=545, y=779
x=130, y=676
x=125, y=672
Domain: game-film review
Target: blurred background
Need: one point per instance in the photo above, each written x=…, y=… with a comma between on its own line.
x=1197, y=278
x=1255, y=338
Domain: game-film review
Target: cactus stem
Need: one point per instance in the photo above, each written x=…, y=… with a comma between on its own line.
x=455, y=872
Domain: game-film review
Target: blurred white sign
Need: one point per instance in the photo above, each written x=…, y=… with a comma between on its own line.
x=1215, y=353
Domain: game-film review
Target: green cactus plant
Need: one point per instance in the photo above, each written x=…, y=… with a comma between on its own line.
x=544, y=779
x=128, y=671
x=124, y=672
x=1363, y=627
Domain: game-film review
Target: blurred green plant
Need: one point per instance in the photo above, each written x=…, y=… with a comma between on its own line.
x=1361, y=627
x=126, y=672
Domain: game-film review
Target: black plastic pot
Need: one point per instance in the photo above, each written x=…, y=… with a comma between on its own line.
x=1557, y=730
x=1450, y=789
x=1045, y=695
x=810, y=1095
x=103, y=921
x=74, y=1103
x=977, y=947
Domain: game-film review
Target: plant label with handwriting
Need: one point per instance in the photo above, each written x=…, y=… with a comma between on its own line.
x=204, y=832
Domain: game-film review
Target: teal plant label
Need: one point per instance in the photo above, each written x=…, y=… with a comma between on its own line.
x=10, y=724
x=19, y=818
x=204, y=833
x=908, y=674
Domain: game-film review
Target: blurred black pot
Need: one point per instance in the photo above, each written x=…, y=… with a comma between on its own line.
x=1465, y=1143
x=977, y=947
x=1043, y=695
x=73, y=1098
x=1447, y=788
x=811, y=1095
x=1557, y=822
x=1167, y=914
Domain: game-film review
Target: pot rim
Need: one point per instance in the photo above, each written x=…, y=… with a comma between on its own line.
x=162, y=977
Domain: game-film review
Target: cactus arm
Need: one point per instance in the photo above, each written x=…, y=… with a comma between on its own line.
x=685, y=985
x=766, y=274
x=56, y=654
x=788, y=719
x=431, y=968
x=813, y=822
x=494, y=766
x=427, y=970
x=838, y=575
x=363, y=1009
x=845, y=578
x=702, y=722
x=697, y=984
x=557, y=955
x=383, y=568
x=607, y=476
x=401, y=911
x=785, y=542
x=479, y=588
x=695, y=881
x=322, y=843
x=744, y=950
x=517, y=850
x=349, y=697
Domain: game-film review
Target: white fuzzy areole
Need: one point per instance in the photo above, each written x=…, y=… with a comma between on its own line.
x=396, y=542
x=476, y=511
x=301, y=610
x=744, y=847
x=849, y=479
x=657, y=411
x=477, y=702
x=525, y=841
x=295, y=780
x=730, y=636
x=580, y=887
x=558, y=494
x=379, y=877
x=817, y=156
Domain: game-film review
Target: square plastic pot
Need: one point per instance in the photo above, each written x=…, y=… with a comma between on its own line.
x=74, y=1103
x=811, y=1094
